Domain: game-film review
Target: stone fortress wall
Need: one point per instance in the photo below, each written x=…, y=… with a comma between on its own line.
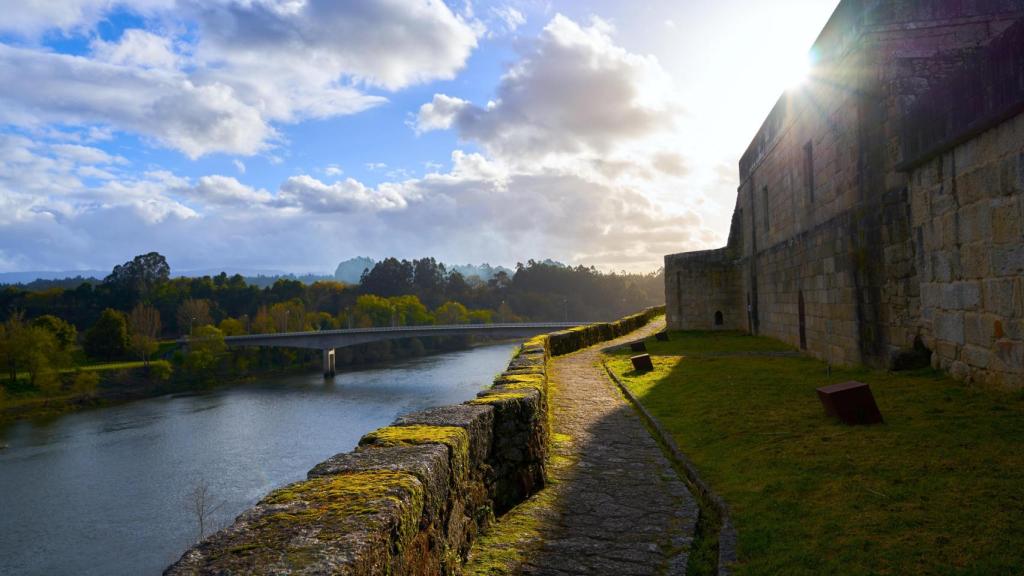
x=836, y=244
x=412, y=497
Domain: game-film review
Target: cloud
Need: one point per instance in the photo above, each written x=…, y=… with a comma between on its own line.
x=385, y=43
x=439, y=114
x=39, y=87
x=333, y=170
x=226, y=191
x=239, y=165
x=86, y=154
x=137, y=48
x=234, y=70
x=509, y=18
x=574, y=92
x=33, y=18
x=350, y=195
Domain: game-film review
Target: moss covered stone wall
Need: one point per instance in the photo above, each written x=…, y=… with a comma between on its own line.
x=412, y=497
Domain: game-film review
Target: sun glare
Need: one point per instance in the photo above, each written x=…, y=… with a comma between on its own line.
x=797, y=71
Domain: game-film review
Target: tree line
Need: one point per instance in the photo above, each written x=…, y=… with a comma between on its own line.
x=126, y=315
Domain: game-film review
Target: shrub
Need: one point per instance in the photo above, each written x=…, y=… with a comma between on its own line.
x=85, y=383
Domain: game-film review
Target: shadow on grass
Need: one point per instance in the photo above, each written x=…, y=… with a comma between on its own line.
x=935, y=490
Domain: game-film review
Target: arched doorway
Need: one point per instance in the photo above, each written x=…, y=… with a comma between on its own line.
x=719, y=318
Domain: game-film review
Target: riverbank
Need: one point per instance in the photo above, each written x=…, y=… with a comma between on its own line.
x=131, y=381
x=78, y=490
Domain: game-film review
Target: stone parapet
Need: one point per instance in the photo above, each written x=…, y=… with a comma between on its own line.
x=413, y=496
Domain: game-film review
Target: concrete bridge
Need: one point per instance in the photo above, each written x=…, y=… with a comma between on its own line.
x=328, y=340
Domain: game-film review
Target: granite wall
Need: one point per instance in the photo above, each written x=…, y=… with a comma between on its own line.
x=826, y=248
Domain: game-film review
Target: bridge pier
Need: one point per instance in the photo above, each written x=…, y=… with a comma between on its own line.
x=329, y=366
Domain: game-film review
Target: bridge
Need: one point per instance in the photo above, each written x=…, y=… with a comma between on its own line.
x=328, y=340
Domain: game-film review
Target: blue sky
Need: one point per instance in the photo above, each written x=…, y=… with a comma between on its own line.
x=291, y=134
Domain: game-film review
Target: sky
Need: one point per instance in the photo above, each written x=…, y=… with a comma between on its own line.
x=292, y=134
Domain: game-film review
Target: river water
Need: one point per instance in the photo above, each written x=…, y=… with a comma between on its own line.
x=106, y=491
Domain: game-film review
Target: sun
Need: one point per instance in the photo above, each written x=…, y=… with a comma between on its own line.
x=797, y=71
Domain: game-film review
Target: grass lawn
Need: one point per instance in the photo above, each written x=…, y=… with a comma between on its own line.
x=937, y=489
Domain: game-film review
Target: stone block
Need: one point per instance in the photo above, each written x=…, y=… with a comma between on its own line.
x=1006, y=222
x=428, y=463
x=1008, y=261
x=998, y=296
x=477, y=421
x=975, y=356
x=949, y=326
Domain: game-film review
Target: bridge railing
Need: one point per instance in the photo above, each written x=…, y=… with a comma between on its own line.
x=421, y=328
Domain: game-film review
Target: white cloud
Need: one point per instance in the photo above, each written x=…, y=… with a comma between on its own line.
x=34, y=17
x=575, y=92
x=510, y=18
x=349, y=195
x=239, y=165
x=226, y=191
x=386, y=43
x=86, y=154
x=439, y=114
x=137, y=48
x=38, y=87
x=333, y=170
x=236, y=69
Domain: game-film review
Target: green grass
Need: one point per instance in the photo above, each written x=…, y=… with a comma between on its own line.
x=109, y=366
x=937, y=489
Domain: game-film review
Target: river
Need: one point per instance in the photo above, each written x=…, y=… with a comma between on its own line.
x=106, y=491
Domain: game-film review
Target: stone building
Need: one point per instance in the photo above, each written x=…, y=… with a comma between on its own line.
x=879, y=214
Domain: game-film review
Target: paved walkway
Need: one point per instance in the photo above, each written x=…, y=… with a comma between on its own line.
x=620, y=507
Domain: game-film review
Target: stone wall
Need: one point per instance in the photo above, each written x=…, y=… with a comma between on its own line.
x=705, y=292
x=968, y=207
x=823, y=242
x=412, y=497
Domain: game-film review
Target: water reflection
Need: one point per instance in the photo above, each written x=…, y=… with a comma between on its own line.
x=105, y=491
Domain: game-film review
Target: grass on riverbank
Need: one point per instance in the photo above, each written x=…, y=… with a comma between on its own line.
x=937, y=489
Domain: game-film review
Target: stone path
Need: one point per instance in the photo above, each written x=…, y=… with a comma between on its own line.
x=619, y=506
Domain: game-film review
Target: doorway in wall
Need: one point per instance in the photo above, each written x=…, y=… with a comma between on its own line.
x=719, y=319
x=803, y=320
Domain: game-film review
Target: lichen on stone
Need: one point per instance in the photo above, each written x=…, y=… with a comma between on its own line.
x=316, y=524
x=454, y=437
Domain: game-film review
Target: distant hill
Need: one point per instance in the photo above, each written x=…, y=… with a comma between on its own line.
x=27, y=277
x=484, y=271
x=351, y=270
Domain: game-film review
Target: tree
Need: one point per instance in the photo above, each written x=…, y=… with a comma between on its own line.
x=429, y=280
x=108, y=337
x=202, y=506
x=371, y=310
x=232, y=327
x=451, y=313
x=289, y=316
x=31, y=349
x=481, y=316
x=65, y=333
x=263, y=323
x=193, y=313
x=144, y=331
x=136, y=280
x=389, y=277
x=409, y=311
x=205, y=348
